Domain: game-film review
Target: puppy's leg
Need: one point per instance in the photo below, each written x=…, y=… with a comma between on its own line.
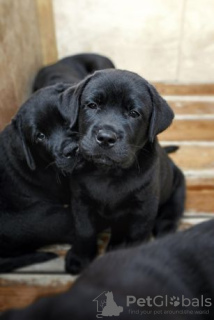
x=170, y=213
x=119, y=230
x=84, y=248
x=23, y=233
x=36, y=226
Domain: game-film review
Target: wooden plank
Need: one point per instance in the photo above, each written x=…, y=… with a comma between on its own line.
x=196, y=182
x=184, y=89
x=8, y=101
x=200, y=200
x=192, y=107
x=20, y=291
x=200, y=194
x=20, y=55
x=47, y=31
x=189, y=129
x=194, y=157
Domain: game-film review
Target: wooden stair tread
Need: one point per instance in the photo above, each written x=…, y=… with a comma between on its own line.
x=189, y=129
x=184, y=89
x=193, y=156
x=191, y=107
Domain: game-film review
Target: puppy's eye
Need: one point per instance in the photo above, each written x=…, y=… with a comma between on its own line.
x=92, y=105
x=134, y=114
x=40, y=136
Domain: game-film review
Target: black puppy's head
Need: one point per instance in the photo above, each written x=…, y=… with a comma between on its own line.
x=43, y=125
x=119, y=112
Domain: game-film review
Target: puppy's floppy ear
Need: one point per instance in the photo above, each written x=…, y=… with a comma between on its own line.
x=162, y=114
x=71, y=99
x=17, y=123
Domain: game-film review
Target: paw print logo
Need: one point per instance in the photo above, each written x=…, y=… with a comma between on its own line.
x=174, y=301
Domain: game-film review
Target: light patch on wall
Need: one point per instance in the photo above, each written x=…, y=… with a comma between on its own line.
x=138, y=35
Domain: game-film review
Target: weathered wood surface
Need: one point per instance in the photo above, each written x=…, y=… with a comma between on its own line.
x=191, y=105
x=184, y=89
x=193, y=129
x=27, y=42
x=47, y=31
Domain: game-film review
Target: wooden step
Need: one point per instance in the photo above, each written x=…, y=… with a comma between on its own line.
x=200, y=193
x=190, y=128
x=192, y=155
x=196, y=159
x=190, y=106
x=17, y=291
x=184, y=89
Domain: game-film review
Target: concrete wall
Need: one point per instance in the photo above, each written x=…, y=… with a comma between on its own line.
x=163, y=40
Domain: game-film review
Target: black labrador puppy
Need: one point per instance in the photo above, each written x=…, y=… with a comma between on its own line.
x=71, y=69
x=36, y=150
x=34, y=193
x=170, y=278
x=128, y=182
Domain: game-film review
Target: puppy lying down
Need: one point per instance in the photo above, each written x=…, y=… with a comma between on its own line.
x=128, y=183
x=71, y=69
x=169, y=278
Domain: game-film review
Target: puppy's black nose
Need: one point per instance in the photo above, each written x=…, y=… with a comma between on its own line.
x=106, y=138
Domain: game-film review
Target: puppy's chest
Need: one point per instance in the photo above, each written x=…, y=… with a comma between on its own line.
x=111, y=192
x=106, y=192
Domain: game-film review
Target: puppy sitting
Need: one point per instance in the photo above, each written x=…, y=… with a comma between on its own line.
x=170, y=278
x=36, y=148
x=128, y=182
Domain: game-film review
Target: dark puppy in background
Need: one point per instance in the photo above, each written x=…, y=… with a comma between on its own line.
x=128, y=182
x=36, y=150
x=71, y=69
x=172, y=277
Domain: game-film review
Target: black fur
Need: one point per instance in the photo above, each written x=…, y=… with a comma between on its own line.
x=34, y=191
x=71, y=69
x=34, y=194
x=176, y=265
x=128, y=182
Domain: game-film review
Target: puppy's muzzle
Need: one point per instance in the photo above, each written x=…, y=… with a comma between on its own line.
x=106, y=138
x=69, y=151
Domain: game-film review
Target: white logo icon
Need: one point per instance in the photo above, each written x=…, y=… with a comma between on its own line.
x=106, y=306
x=175, y=301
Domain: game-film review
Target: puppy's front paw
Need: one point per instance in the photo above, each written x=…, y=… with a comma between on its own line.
x=74, y=264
